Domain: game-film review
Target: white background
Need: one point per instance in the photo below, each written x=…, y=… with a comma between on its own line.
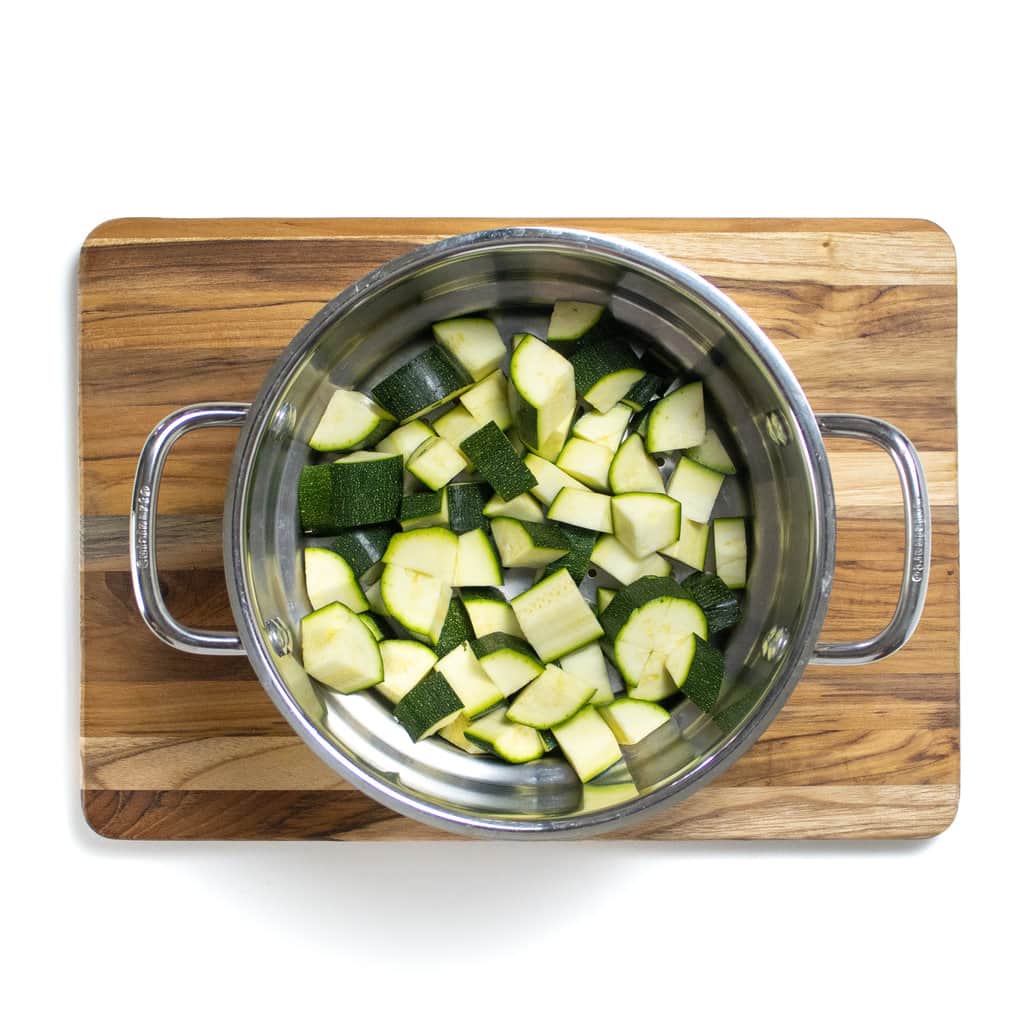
x=534, y=109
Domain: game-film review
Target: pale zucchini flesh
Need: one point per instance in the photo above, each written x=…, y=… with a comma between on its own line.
x=514, y=743
x=555, y=618
x=405, y=663
x=550, y=479
x=524, y=545
x=432, y=551
x=588, y=743
x=632, y=720
x=491, y=614
x=696, y=489
x=586, y=462
x=488, y=401
x=589, y=509
x=330, y=578
x=677, y=420
x=417, y=601
x=473, y=342
x=524, y=507
x=552, y=698
x=351, y=420
x=692, y=546
x=406, y=439
x=456, y=425
x=588, y=664
x=712, y=454
x=644, y=523
x=604, y=428
x=571, y=320
x=477, y=563
x=731, y=552
x=542, y=395
x=610, y=555
x=435, y=462
x=467, y=678
x=339, y=651
x=632, y=469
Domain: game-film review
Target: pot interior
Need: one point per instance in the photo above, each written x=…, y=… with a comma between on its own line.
x=782, y=486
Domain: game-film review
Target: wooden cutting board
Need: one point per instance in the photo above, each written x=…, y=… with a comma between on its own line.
x=172, y=312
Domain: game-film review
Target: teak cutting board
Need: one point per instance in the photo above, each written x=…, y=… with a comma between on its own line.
x=179, y=311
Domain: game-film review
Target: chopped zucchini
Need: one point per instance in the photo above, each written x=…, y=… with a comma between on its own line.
x=677, y=420
x=570, y=321
x=692, y=546
x=552, y=698
x=588, y=743
x=631, y=720
x=653, y=682
x=362, y=547
x=719, y=604
x=605, y=370
x=712, y=454
x=455, y=733
x=640, y=395
x=610, y=555
x=456, y=425
x=586, y=462
x=350, y=421
x=429, y=706
x=542, y=396
x=524, y=508
x=645, y=523
x=489, y=612
x=550, y=479
x=335, y=496
x=605, y=596
x=474, y=343
x=514, y=743
x=477, y=564
x=467, y=678
x=456, y=630
x=588, y=664
x=405, y=662
x=423, y=509
x=577, y=559
x=588, y=509
x=466, y=506
x=428, y=380
x=488, y=401
x=698, y=669
x=435, y=462
x=528, y=545
x=499, y=464
x=415, y=600
x=375, y=625
x=695, y=488
x=330, y=578
x=604, y=428
x=339, y=651
x=731, y=552
x=634, y=596
x=555, y=618
x=632, y=469
x=374, y=598
x=508, y=660
x=433, y=551
x=405, y=440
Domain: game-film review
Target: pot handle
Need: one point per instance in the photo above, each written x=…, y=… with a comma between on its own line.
x=917, y=551
x=142, y=528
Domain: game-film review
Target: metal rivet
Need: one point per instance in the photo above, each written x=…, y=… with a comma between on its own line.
x=776, y=640
x=279, y=636
x=776, y=427
x=284, y=421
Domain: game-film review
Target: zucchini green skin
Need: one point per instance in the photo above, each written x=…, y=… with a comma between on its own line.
x=466, y=506
x=720, y=605
x=456, y=629
x=598, y=356
x=494, y=642
x=423, y=383
x=430, y=701
x=362, y=547
x=635, y=595
x=643, y=392
x=577, y=558
x=335, y=496
x=707, y=672
x=491, y=452
x=420, y=505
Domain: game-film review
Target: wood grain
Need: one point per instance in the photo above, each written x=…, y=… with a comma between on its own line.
x=178, y=311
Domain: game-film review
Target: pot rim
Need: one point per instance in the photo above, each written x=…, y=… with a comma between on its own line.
x=571, y=241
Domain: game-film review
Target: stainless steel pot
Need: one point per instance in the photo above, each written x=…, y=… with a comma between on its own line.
x=788, y=496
